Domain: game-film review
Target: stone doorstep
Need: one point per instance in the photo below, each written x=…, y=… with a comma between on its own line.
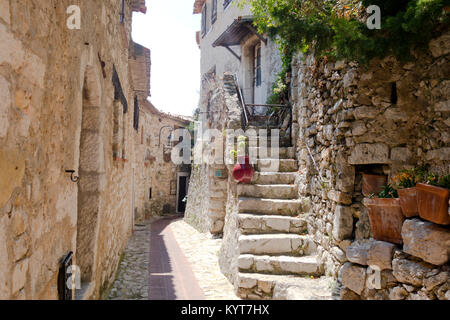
x=281, y=265
x=274, y=165
x=272, y=178
x=270, y=206
x=276, y=244
x=282, y=287
x=255, y=224
x=275, y=191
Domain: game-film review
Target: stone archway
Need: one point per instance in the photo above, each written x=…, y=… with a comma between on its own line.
x=92, y=175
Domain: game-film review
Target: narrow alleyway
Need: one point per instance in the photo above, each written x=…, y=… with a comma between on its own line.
x=166, y=259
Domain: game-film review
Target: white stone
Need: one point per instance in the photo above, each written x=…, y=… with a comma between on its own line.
x=245, y=261
x=380, y=254
x=19, y=275
x=442, y=154
x=353, y=277
x=247, y=283
x=343, y=223
x=358, y=252
x=400, y=154
x=440, y=46
x=369, y=154
x=5, y=103
x=410, y=272
x=4, y=11
x=426, y=240
x=442, y=106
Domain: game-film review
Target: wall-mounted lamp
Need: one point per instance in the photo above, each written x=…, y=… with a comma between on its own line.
x=72, y=176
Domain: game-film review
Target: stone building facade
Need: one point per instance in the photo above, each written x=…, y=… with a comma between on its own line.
x=229, y=44
x=162, y=185
x=66, y=104
x=308, y=218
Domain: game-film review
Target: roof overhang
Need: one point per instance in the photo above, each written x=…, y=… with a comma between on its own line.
x=238, y=30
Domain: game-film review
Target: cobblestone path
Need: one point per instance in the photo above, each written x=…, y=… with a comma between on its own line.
x=167, y=259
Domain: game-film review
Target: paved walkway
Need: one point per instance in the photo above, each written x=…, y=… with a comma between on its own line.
x=169, y=260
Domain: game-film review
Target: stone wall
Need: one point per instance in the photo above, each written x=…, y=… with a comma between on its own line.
x=418, y=272
x=348, y=120
x=56, y=114
x=209, y=180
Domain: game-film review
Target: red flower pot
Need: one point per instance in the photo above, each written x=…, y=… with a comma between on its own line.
x=243, y=172
x=373, y=184
x=386, y=219
x=433, y=203
x=408, y=202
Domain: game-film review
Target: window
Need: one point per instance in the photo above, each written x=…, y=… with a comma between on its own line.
x=258, y=75
x=214, y=11
x=226, y=3
x=136, y=114
x=204, y=20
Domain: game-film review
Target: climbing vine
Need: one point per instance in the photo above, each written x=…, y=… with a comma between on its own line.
x=337, y=28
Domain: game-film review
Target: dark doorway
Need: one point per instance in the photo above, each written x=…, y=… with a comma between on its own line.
x=182, y=192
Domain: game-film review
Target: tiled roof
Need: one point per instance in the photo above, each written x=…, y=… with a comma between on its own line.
x=198, y=5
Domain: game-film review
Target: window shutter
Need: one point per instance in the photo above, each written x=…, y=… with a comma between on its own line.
x=204, y=20
x=214, y=11
x=226, y=3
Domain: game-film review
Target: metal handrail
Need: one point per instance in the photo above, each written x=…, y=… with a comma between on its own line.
x=241, y=98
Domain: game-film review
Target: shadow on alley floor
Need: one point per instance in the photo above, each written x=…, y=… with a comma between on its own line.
x=167, y=259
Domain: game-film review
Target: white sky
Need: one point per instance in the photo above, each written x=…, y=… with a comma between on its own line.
x=168, y=30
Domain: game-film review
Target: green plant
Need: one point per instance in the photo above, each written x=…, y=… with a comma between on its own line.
x=434, y=180
x=410, y=177
x=337, y=28
x=388, y=192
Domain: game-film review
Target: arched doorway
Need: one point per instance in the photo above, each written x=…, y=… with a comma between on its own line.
x=92, y=176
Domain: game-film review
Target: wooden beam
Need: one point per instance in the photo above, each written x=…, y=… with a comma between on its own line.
x=233, y=53
x=254, y=31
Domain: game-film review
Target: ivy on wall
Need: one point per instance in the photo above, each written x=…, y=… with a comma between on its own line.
x=337, y=29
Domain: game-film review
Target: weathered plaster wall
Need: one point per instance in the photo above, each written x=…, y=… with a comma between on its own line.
x=44, y=67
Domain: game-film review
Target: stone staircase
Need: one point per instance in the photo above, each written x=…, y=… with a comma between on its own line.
x=277, y=258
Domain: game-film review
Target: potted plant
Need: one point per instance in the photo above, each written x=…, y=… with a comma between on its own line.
x=385, y=215
x=243, y=171
x=432, y=199
x=406, y=181
x=373, y=183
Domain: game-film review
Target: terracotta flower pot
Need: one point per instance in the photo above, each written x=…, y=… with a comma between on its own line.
x=386, y=219
x=408, y=202
x=433, y=203
x=373, y=183
x=243, y=172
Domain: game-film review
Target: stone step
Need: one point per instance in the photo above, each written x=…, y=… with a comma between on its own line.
x=256, y=286
x=264, y=224
x=306, y=265
x=275, y=165
x=274, y=177
x=276, y=191
x=282, y=207
x=283, y=153
x=276, y=244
